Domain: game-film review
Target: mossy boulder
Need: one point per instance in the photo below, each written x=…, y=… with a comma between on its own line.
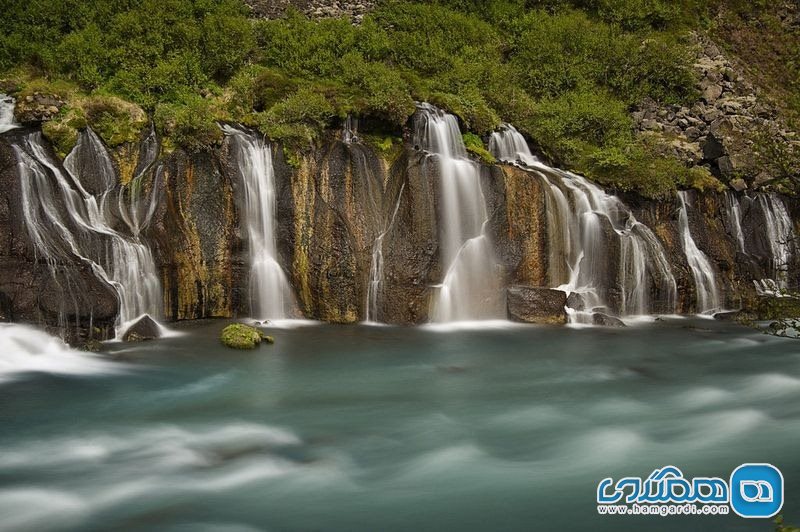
x=241, y=336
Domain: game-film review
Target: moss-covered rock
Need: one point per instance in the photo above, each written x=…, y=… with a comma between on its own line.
x=475, y=146
x=241, y=336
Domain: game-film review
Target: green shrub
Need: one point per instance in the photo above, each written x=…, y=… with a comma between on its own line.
x=190, y=123
x=114, y=120
x=298, y=119
x=475, y=145
x=570, y=126
x=61, y=135
x=471, y=108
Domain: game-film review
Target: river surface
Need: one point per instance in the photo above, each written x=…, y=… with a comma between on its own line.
x=366, y=428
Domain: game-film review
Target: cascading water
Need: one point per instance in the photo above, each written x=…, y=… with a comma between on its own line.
x=376, y=279
x=6, y=113
x=734, y=217
x=577, y=210
x=708, y=297
x=270, y=293
x=508, y=145
x=350, y=130
x=470, y=289
x=64, y=220
x=780, y=236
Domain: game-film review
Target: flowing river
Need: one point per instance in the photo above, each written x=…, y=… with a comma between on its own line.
x=350, y=428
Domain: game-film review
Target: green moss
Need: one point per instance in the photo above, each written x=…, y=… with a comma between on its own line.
x=61, y=135
x=240, y=336
x=298, y=119
x=190, y=123
x=113, y=119
x=475, y=146
x=293, y=158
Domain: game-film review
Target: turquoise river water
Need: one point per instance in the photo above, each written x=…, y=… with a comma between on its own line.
x=367, y=428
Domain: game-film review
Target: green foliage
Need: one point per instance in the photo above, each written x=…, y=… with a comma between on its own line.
x=474, y=145
x=565, y=72
x=568, y=51
x=471, y=108
x=569, y=126
x=61, y=135
x=114, y=120
x=189, y=123
x=298, y=119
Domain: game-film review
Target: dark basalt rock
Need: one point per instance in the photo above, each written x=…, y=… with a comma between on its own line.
x=145, y=328
x=575, y=301
x=66, y=298
x=604, y=320
x=536, y=305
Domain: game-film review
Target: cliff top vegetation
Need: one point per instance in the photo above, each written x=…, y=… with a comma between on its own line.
x=565, y=72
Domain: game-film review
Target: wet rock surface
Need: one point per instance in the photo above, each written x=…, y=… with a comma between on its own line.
x=143, y=329
x=65, y=297
x=536, y=305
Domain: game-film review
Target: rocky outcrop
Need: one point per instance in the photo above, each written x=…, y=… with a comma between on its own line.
x=725, y=129
x=604, y=320
x=352, y=9
x=64, y=296
x=331, y=209
x=195, y=237
x=536, y=305
x=37, y=107
x=144, y=329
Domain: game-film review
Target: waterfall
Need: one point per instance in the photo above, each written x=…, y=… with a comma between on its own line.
x=508, y=145
x=270, y=293
x=708, y=297
x=64, y=221
x=470, y=289
x=6, y=113
x=734, y=217
x=375, y=286
x=579, y=215
x=780, y=236
x=350, y=130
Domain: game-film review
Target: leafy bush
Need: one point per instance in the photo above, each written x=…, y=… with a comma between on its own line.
x=61, y=135
x=298, y=119
x=115, y=120
x=189, y=123
x=474, y=145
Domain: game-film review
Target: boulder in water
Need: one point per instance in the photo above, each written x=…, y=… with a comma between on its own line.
x=145, y=328
x=576, y=301
x=537, y=305
x=604, y=320
x=241, y=336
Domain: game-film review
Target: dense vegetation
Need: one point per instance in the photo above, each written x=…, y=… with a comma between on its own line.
x=564, y=72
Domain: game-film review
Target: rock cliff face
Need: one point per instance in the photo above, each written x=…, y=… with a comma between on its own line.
x=340, y=206
x=728, y=129
x=65, y=296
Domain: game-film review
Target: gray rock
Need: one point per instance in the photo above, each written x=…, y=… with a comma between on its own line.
x=712, y=93
x=604, y=320
x=576, y=301
x=144, y=329
x=738, y=184
x=536, y=305
x=692, y=133
x=713, y=147
x=651, y=125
